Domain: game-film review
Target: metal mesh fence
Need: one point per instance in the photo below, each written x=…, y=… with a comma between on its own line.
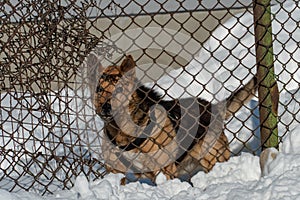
x=53, y=53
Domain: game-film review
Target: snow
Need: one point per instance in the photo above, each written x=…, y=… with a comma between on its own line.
x=229, y=55
x=239, y=178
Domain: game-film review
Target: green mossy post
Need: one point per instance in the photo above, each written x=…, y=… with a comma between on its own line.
x=268, y=90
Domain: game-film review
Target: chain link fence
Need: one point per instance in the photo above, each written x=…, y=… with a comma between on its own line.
x=53, y=53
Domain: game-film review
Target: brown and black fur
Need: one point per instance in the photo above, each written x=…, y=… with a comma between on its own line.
x=195, y=157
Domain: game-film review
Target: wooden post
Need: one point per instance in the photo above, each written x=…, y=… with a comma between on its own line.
x=268, y=90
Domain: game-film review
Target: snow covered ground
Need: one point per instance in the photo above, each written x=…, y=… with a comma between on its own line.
x=240, y=177
x=236, y=179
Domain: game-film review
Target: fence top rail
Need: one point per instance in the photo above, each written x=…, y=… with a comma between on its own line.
x=13, y=9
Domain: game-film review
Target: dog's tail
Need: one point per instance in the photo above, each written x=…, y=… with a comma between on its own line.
x=240, y=97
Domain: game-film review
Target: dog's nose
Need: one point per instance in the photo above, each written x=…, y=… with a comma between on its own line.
x=106, y=110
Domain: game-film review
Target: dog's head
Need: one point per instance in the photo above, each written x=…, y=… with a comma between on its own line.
x=109, y=86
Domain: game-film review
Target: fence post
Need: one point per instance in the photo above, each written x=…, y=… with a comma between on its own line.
x=268, y=90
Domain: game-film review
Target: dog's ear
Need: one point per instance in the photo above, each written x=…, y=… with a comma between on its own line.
x=127, y=64
x=100, y=68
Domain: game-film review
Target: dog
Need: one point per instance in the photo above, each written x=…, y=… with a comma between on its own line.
x=191, y=129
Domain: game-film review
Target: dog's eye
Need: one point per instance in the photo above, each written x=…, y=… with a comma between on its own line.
x=99, y=89
x=119, y=90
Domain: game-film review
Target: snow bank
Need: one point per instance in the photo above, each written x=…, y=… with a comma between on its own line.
x=238, y=178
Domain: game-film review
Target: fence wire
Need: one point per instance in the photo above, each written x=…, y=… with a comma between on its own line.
x=53, y=53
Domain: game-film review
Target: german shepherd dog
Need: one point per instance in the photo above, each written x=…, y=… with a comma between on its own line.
x=198, y=133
